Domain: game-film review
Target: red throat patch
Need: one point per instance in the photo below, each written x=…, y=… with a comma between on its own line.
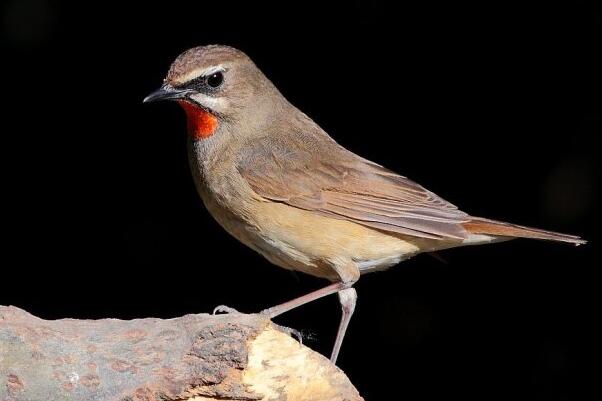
x=201, y=123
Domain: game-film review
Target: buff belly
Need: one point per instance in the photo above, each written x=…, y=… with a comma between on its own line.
x=300, y=240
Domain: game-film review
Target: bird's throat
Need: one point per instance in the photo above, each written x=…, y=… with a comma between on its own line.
x=201, y=123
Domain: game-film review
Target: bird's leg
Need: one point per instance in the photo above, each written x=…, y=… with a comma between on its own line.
x=347, y=298
x=292, y=304
x=302, y=300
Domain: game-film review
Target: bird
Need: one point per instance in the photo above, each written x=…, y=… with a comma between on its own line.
x=277, y=182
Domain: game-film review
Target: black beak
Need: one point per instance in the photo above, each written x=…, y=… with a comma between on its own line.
x=166, y=92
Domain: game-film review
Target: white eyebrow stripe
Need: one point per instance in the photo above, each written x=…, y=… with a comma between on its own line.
x=200, y=72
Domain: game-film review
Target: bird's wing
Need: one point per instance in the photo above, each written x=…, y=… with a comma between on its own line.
x=327, y=179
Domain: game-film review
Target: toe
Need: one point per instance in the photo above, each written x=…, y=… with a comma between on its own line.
x=291, y=332
x=224, y=309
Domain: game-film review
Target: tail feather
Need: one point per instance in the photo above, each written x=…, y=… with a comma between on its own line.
x=502, y=229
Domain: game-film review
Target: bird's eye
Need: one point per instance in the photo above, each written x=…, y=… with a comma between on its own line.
x=215, y=80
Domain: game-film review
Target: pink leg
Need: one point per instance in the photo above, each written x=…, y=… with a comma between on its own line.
x=312, y=296
x=347, y=298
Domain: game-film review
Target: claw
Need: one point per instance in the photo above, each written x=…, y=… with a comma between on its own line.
x=224, y=309
x=291, y=332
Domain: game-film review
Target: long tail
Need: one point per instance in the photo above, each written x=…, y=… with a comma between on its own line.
x=499, y=228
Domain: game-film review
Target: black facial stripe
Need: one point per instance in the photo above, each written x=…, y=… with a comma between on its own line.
x=200, y=84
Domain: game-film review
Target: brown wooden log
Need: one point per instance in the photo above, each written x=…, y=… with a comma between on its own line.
x=193, y=357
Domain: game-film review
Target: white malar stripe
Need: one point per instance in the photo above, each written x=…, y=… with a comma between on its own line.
x=214, y=103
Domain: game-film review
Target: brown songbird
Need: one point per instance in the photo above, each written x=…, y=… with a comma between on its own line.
x=277, y=182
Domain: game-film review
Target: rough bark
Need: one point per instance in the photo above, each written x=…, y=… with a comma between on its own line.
x=193, y=357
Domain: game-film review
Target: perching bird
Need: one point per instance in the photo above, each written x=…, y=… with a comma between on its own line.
x=281, y=185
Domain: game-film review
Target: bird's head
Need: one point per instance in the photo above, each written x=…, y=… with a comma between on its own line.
x=216, y=85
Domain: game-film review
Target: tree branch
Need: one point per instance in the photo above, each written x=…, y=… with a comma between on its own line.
x=193, y=357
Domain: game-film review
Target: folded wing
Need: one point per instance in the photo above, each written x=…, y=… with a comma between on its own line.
x=334, y=182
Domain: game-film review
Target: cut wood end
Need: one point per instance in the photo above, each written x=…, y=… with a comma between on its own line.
x=279, y=368
x=277, y=363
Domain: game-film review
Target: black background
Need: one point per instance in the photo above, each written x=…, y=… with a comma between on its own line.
x=494, y=106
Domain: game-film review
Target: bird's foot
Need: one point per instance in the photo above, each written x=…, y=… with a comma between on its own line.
x=290, y=331
x=269, y=313
x=224, y=309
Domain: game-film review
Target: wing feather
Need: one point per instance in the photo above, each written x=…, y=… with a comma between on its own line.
x=332, y=181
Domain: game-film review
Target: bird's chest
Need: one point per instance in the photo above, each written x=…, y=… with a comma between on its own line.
x=240, y=219
x=225, y=200
x=239, y=211
x=226, y=196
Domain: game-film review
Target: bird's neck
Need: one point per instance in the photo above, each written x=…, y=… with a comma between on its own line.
x=201, y=123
